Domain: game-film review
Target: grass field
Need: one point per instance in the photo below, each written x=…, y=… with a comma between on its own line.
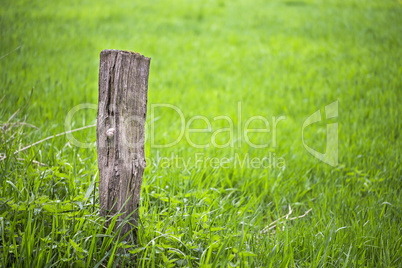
x=237, y=59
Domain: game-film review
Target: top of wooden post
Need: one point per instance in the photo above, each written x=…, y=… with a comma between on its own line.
x=127, y=52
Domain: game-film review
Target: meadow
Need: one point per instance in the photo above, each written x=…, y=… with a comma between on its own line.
x=278, y=60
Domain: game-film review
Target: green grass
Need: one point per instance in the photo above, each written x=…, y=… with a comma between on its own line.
x=278, y=58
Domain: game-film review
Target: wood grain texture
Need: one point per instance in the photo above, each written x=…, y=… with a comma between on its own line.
x=123, y=88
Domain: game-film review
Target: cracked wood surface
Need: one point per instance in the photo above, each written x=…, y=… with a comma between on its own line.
x=122, y=108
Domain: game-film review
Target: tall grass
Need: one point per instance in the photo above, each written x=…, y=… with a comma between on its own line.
x=275, y=58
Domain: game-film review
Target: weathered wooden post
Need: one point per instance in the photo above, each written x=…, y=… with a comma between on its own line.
x=122, y=108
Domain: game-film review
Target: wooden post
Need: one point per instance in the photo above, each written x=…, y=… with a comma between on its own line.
x=122, y=108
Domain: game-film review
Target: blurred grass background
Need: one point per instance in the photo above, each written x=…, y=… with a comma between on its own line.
x=277, y=58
